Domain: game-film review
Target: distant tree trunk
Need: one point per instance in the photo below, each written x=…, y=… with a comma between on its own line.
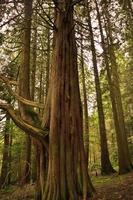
x=41, y=87
x=123, y=152
x=48, y=59
x=37, y=168
x=67, y=171
x=127, y=10
x=85, y=105
x=106, y=167
x=36, y=161
x=126, y=164
x=24, y=82
x=41, y=157
x=41, y=170
x=5, y=170
x=10, y=155
x=34, y=56
x=27, y=163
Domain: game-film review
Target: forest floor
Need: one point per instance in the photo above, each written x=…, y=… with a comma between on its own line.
x=113, y=187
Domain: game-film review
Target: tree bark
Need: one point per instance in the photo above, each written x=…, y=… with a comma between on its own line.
x=24, y=82
x=67, y=171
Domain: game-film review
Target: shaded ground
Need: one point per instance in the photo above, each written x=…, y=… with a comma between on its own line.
x=18, y=193
x=108, y=188
x=114, y=187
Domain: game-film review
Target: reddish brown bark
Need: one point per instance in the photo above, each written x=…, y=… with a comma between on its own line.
x=67, y=173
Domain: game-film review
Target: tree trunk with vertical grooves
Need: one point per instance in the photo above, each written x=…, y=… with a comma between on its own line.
x=67, y=171
x=24, y=82
x=5, y=170
x=106, y=167
x=123, y=152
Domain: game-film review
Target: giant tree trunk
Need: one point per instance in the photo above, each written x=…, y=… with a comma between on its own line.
x=106, y=167
x=123, y=152
x=67, y=171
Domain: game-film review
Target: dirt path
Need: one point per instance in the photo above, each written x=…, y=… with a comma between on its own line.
x=114, y=188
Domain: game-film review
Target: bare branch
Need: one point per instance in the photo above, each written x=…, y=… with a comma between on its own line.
x=11, y=19
x=50, y=22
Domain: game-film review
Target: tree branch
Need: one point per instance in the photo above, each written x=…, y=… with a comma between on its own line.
x=12, y=19
x=35, y=132
x=50, y=22
x=18, y=97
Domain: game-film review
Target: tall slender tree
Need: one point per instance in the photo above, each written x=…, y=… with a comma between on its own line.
x=85, y=103
x=24, y=81
x=5, y=169
x=106, y=167
x=123, y=152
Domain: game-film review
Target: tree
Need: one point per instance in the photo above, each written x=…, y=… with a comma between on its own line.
x=5, y=169
x=67, y=173
x=85, y=103
x=24, y=82
x=67, y=170
x=123, y=152
x=106, y=167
